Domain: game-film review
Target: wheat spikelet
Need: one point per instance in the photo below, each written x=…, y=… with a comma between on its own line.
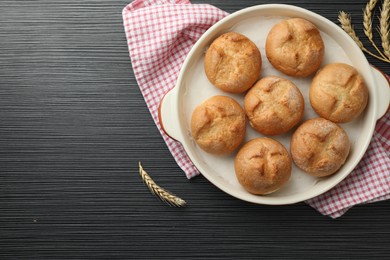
x=367, y=24
x=346, y=24
x=367, y=18
x=161, y=193
x=384, y=26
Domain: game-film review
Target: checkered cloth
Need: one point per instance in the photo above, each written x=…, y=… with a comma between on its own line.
x=160, y=33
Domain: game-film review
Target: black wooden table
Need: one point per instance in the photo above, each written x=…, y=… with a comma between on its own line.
x=73, y=126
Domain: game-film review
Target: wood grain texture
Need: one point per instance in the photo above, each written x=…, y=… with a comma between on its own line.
x=73, y=126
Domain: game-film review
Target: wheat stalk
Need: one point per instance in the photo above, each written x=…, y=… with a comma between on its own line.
x=346, y=24
x=161, y=193
x=367, y=24
x=384, y=27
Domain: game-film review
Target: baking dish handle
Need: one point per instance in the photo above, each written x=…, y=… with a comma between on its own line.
x=383, y=87
x=166, y=115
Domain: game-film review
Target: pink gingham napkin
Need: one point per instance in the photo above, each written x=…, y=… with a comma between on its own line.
x=160, y=33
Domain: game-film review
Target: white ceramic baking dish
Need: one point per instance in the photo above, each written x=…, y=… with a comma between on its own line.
x=193, y=88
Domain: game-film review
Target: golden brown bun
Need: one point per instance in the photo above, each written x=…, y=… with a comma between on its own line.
x=274, y=105
x=295, y=47
x=319, y=147
x=338, y=93
x=218, y=125
x=262, y=166
x=232, y=63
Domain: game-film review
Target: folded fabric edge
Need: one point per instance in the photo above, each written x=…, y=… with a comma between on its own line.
x=341, y=212
x=138, y=4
